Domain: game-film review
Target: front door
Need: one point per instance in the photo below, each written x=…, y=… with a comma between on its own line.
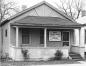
x=65, y=38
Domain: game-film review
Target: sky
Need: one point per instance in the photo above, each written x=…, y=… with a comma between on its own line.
x=29, y=3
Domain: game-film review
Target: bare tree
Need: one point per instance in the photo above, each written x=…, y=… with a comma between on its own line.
x=71, y=8
x=6, y=9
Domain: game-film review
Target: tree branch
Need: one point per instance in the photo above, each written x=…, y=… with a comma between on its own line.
x=5, y=9
x=72, y=8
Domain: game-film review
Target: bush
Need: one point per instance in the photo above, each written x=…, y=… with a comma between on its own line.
x=58, y=55
x=24, y=52
x=5, y=57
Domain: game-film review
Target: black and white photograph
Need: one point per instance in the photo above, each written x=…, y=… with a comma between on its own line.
x=42, y=32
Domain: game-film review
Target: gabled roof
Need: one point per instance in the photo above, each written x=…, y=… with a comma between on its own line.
x=37, y=5
x=45, y=21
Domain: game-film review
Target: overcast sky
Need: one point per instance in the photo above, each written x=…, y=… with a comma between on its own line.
x=29, y=3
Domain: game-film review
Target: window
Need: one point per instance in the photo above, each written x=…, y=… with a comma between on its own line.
x=41, y=36
x=25, y=36
x=65, y=38
x=54, y=36
x=6, y=33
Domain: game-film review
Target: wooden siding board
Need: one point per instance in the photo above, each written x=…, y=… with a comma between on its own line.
x=5, y=39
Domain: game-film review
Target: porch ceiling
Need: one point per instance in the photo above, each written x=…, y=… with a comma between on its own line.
x=45, y=21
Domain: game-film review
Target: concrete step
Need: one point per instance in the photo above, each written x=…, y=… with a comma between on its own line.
x=75, y=56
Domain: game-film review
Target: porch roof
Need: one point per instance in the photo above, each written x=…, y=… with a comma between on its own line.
x=45, y=21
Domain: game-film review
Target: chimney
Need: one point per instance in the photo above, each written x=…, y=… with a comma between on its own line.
x=83, y=13
x=24, y=7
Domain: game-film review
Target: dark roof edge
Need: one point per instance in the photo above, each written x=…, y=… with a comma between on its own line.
x=6, y=21
x=33, y=24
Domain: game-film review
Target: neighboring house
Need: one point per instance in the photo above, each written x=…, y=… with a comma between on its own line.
x=82, y=20
x=42, y=30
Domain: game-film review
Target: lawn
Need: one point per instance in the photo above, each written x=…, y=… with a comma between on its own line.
x=17, y=63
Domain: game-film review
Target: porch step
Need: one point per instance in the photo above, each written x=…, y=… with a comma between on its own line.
x=75, y=56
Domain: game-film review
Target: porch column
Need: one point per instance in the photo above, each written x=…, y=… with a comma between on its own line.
x=45, y=37
x=17, y=31
x=76, y=37
x=82, y=42
x=82, y=37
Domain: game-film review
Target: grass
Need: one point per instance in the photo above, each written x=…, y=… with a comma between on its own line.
x=17, y=63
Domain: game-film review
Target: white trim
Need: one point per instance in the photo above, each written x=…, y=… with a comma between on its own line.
x=17, y=31
x=76, y=37
x=82, y=39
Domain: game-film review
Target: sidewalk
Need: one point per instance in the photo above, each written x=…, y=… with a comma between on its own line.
x=63, y=65
x=82, y=62
x=41, y=63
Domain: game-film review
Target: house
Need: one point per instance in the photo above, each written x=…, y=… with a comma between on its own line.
x=82, y=20
x=41, y=30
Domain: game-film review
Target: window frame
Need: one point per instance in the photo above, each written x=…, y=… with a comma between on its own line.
x=23, y=34
x=55, y=31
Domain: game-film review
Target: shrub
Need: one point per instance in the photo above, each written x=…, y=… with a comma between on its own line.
x=58, y=55
x=24, y=52
x=5, y=57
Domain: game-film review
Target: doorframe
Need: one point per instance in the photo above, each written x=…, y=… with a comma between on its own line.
x=69, y=39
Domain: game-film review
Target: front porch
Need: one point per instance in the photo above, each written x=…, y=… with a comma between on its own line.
x=42, y=43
